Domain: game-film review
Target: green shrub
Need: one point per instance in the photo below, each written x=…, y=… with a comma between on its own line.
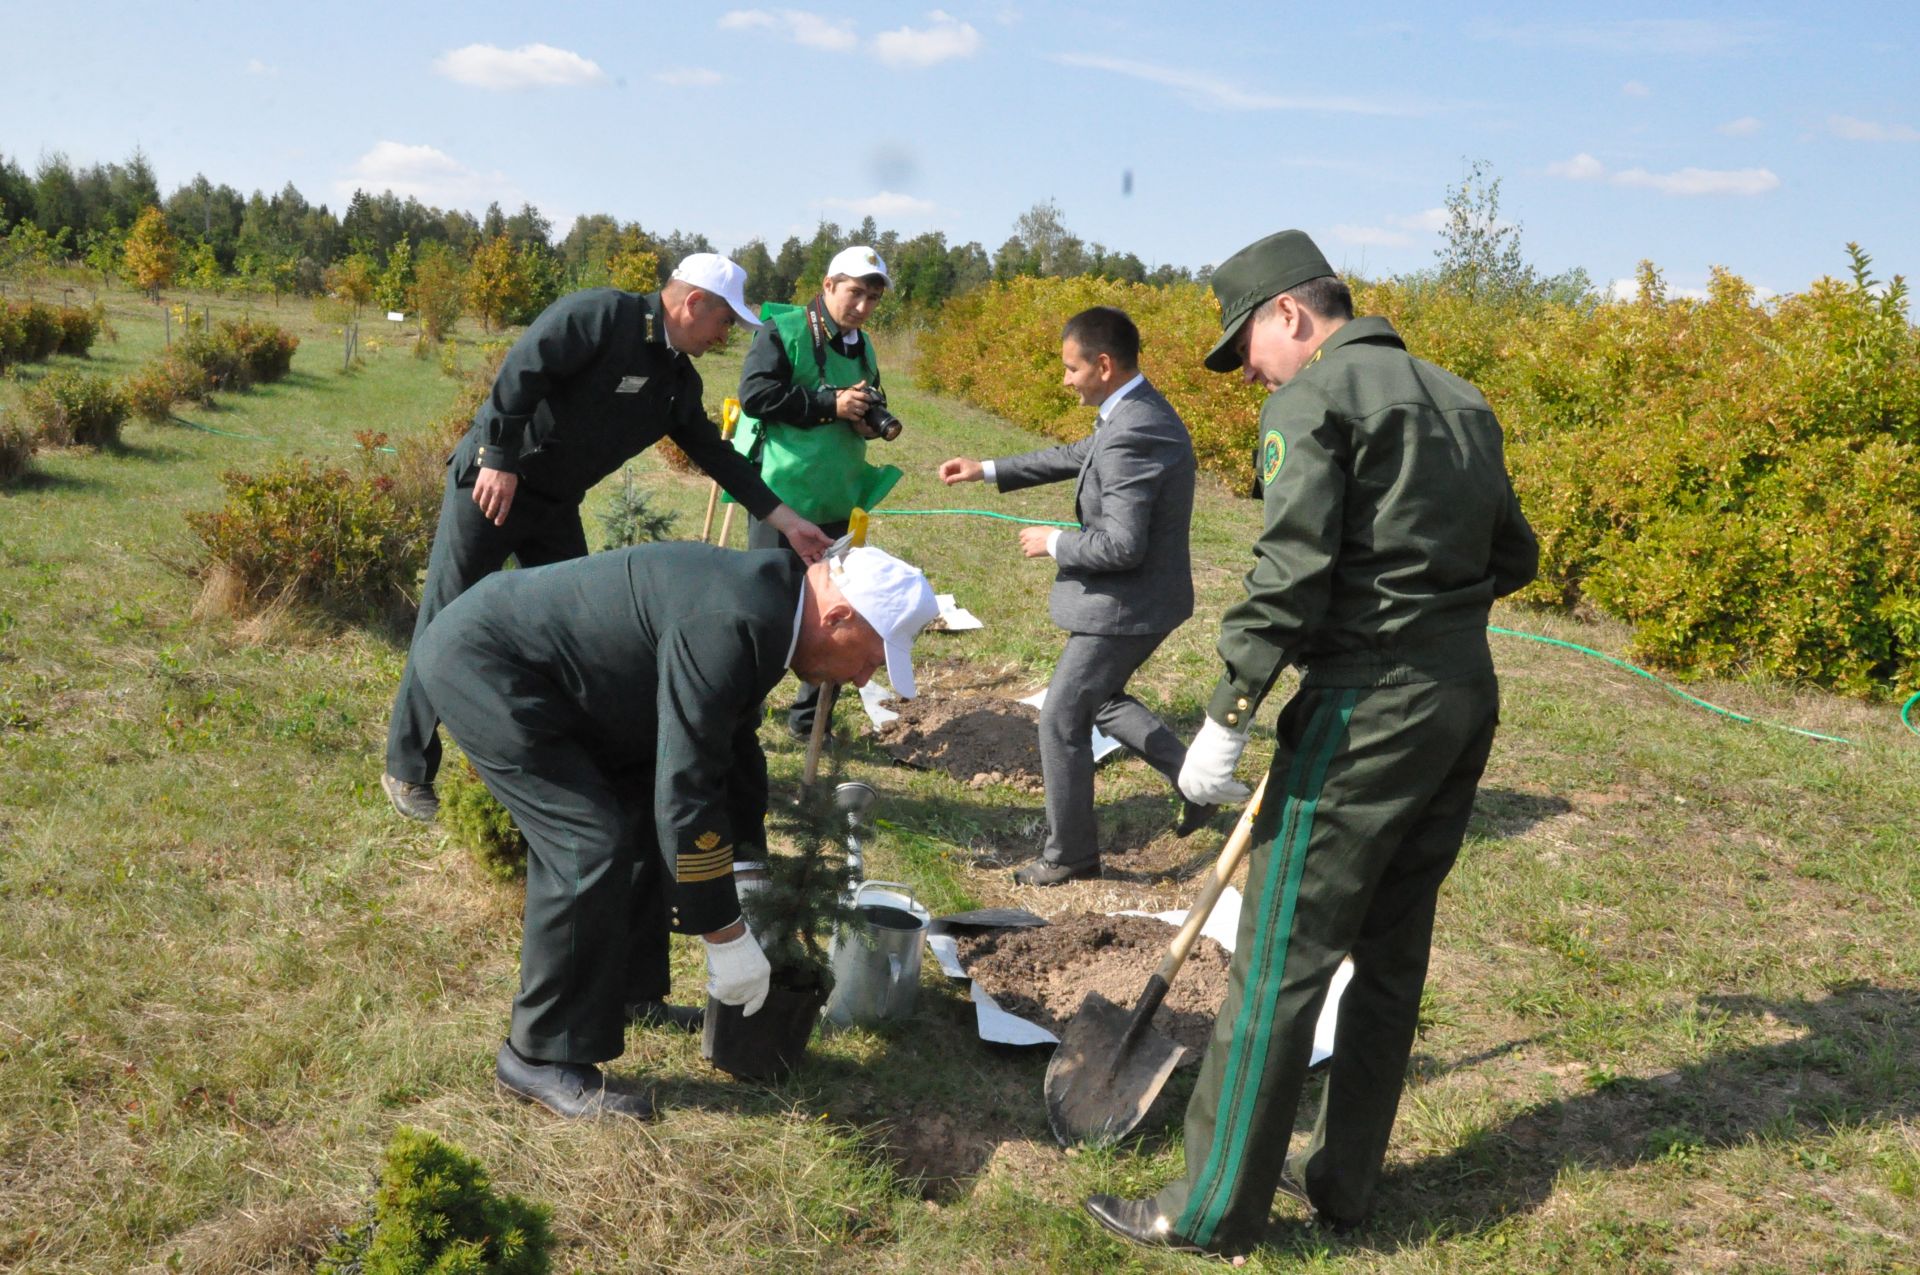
x=17, y=444
x=265, y=348
x=437, y=1213
x=476, y=822
x=222, y=364
x=69, y=407
x=78, y=328
x=40, y=331
x=160, y=383
x=316, y=534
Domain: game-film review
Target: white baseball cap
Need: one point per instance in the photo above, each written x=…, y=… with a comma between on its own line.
x=711, y=272
x=894, y=598
x=858, y=262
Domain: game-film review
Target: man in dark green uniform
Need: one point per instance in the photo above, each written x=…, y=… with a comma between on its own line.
x=599, y=377
x=806, y=394
x=611, y=704
x=1391, y=526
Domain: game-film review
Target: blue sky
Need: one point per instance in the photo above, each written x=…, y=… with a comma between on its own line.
x=1758, y=136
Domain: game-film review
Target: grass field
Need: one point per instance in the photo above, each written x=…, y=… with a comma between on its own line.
x=1673, y=1023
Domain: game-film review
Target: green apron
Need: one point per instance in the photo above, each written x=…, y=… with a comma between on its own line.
x=821, y=471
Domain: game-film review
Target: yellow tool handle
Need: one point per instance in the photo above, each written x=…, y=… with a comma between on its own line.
x=729, y=416
x=857, y=527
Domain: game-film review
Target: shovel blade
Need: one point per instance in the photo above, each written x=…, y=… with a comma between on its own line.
x=1100, y=1083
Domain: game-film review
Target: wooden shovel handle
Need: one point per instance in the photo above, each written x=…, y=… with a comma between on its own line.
x=1223, y=870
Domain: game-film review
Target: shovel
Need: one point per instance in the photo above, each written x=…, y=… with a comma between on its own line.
x=729, y=417
x=1110, y=1066
x=830, y=691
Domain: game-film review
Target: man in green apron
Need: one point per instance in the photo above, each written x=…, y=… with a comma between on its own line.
x=1391, y=526
x=808, y=394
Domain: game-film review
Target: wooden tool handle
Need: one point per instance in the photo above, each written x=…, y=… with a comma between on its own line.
x=1223, y=870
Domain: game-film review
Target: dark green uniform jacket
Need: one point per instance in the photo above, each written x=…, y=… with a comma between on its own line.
x=588, y=386
x=1362, y=574
x=654, y=660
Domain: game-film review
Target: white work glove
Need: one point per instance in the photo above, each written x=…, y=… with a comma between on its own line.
x=738, y=973
x=1206, y=777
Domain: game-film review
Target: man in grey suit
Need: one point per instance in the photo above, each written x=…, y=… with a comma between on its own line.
x=1124, y=580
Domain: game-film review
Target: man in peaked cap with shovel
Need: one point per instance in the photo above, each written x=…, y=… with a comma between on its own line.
x=1391, y=526
x=611, y=704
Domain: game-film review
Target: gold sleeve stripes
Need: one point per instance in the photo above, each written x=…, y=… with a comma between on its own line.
x=694, y=866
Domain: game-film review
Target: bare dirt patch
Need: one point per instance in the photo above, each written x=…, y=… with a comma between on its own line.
x=979, y=738
x=1043, y=974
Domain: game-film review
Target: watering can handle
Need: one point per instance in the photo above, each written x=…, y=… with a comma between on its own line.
x=900, y=886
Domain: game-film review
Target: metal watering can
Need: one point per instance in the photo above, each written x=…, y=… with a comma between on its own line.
x=876, y=960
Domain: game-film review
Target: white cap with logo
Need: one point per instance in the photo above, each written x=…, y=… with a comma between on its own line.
x=857, y=262
x=711, y=272
x=894, y=598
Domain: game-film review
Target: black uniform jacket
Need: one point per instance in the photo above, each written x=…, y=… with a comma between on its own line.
x=590, y=385
x=657, y=660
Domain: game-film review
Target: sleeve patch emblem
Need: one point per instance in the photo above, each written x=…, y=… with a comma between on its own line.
x=1273, y=454
x=707, y=840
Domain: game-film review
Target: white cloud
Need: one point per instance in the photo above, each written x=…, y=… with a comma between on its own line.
x=1211, y=92
x=697, y=77
x=1745, y=126
x=1400, y=229
x=885, y=204
x=256, y=67
x=1582, y=167
x=1684, y=37
x=1684, y=181
x=1856, y=130
x=947, y=38
x=803, y=28
x=1634, y=88
x=1371, y=237
x=429, y=175
x=487, y=66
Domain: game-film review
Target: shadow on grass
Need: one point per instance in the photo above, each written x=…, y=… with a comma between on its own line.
x=40, y=480
x=925, y=1093
x=1853, y=1065
x=1505, y=812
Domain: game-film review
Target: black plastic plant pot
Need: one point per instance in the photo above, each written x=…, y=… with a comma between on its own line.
x=771, y=1043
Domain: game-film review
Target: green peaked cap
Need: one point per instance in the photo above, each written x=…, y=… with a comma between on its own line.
x=1257, y=273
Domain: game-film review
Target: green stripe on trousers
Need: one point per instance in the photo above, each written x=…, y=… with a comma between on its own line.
x=1247, y=1062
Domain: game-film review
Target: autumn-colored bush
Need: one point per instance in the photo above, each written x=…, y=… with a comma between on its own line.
x=315, y=533
x=164, y=380
x=68, y=408
x=1738, y=480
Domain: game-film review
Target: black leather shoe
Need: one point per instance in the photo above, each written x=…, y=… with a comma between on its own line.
x=1139, y=1221
x=1044, y=872
x=575, y=1090
x=415, y=801
x=1193, y=818
x=686, y=1018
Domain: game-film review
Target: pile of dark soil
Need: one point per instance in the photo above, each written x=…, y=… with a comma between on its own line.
x=977, y=738
x=1043, y=974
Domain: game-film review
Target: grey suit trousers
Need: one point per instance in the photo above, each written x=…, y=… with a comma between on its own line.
x=1088, y=690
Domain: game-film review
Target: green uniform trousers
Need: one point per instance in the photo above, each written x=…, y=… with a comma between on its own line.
x=1366, y=806
x=594, y=936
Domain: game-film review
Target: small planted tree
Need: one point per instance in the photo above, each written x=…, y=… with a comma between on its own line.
x=151, y=254
x=630, y=518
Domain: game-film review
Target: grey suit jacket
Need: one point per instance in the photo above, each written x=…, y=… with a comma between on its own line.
x=1126, y=570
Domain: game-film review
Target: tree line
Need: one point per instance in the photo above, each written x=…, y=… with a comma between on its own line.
x=212, y=237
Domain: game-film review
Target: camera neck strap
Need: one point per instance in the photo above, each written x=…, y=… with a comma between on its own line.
x=817, y=329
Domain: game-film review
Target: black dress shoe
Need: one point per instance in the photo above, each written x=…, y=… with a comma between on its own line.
x=415, y=801
x=1046, y=872
x=686, y=1018
x=1140, y=1221
x=1193, y=818
x=575, y=1090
